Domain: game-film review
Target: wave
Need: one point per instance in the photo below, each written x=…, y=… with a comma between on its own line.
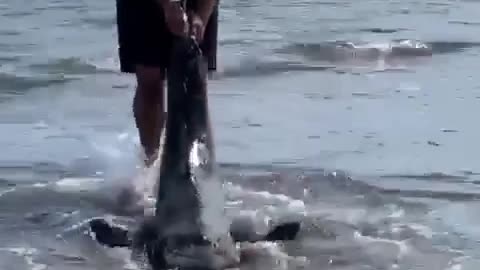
x=254, y=68
x=100, y=23
x=17, y=84
x=465, y=23
x=430, y=177
x=338, y=51
x=378, y=30
x=9, y=58
x=345, y=57
x=5, y=32
x=339, y=228
x=18, y=14
x=320, y=182
x=69, y=66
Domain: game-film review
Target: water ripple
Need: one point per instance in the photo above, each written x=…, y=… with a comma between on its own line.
x=68, y=66
x=16, y=84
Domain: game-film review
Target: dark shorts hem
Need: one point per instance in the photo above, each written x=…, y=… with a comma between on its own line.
x=143, y=38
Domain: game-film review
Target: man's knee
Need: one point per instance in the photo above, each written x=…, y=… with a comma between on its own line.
x=150, y=81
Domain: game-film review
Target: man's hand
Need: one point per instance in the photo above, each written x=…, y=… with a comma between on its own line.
x=177, y=21
x=175, y=18
x=197, y=27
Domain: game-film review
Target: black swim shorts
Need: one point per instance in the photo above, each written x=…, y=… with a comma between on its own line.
x=143, y=37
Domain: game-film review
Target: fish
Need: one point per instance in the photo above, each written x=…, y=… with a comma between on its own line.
x=190, y=228
x=192, y=234
x=111, y=235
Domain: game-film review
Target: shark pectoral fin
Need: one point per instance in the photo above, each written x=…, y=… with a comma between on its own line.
x=283, y=232
x=108, y=234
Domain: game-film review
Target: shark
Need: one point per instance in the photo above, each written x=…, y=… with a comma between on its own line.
x=190, y=229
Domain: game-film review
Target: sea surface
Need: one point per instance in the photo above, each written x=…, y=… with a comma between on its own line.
x=358, y=117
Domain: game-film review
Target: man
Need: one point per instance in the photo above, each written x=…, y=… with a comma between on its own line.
x=145, y=32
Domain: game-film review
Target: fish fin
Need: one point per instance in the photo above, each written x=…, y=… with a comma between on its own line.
x=108, y=234
x=283, y=232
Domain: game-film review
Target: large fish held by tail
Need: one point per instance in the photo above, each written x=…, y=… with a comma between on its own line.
x=190, y=229
x=194, y=226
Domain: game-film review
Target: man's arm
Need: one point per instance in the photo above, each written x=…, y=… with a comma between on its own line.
x=204, y=9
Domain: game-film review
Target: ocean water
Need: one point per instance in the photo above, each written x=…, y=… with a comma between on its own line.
x=357, y=117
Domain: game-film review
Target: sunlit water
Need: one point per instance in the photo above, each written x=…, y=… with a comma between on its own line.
x=358, y=117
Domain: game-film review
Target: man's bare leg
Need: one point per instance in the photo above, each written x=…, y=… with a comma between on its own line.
x=148, y=109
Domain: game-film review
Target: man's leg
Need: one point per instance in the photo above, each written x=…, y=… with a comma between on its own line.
x=144, y=49
x=148, y=108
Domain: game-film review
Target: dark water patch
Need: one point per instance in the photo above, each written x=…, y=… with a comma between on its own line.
x=334, y=3
x=37, y=218
x=100, y=23
x=5, y=32
x=121, y=86
x=16, y=85
x=378, y=30
x=6, y=183
x=433, y=143
x=469, y=173
x=447, y=130
x=41, y=8
x=464, y=23
x=68, y=66
x=253, y=69
x=9, y=58
x=18, y=14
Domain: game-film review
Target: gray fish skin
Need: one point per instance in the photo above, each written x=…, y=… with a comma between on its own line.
x=179, y=225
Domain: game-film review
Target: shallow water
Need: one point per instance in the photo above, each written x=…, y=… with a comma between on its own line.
x=320, y=108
